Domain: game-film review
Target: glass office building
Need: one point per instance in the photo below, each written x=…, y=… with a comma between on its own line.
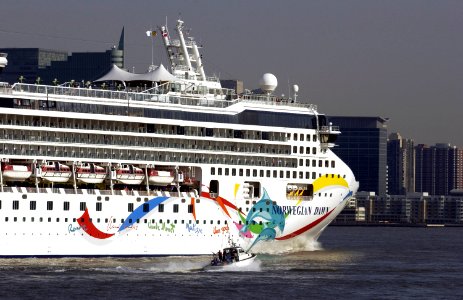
x=37, y=65
x=362, y=144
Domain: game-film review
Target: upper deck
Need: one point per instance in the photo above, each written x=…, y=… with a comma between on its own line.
x=219, y=99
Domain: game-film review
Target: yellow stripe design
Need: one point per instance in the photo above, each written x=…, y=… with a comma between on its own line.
x=328, y=180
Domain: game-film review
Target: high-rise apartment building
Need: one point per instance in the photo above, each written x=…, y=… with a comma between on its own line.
x=401, y=165
x=439, y=169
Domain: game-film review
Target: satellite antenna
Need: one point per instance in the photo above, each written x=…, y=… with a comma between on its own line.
x=295, y=90
x=268, y=84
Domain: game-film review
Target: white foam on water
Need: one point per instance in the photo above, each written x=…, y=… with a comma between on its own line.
x=178, y=266
x=293, y=245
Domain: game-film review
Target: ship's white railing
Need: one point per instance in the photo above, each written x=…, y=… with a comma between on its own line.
x=132, y=97
x=5, y=88
x=272, y=100
x=329, y=128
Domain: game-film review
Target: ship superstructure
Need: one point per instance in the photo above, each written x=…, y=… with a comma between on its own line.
x=181, y=168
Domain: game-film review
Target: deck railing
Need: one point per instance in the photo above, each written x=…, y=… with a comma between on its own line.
x=134, y=97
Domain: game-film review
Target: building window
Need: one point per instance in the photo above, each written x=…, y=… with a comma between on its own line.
x=219, y=171
x=241, y=172
x=308, y=137
x=261, y=173
x=99, y=206
x=16, y=204
x=333, y=164
x=130, y=207
x=275, y=174
x=314, y=150
x=268, y=173
x=301, y=162
x=190, y=208
x=295, y=136
x=294, y=174
x=83, y=205
x=66, y=205
x=248, y=172
x=33, y=205
x=49, y=205
x=314, y=137
x=320, y=163
x=161, y=208
x=175, y=208
x=227, y=171
x=288, y=174
x=314, y=163
x=301, y=150
x=282, y=174
x=314, y=175
x=294, y=149
x=233, y=172
x=254, y=173
x=212, y=171
x=302, y=137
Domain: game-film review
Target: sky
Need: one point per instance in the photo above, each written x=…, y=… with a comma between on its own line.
x=397, y=59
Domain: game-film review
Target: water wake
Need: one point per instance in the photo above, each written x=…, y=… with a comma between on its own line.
x=297, y=244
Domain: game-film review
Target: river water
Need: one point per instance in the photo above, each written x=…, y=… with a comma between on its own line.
x=347, y=263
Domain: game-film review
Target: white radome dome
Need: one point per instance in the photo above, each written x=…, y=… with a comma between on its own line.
x=268, y=82
x=295, y=88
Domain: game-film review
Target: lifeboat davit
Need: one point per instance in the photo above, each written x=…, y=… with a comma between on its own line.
x=128, y=174
x=56, y=172
x=90, y=173
x=16, y=172
x=160, y=178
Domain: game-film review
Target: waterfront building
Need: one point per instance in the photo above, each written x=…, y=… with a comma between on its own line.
x=236, y=85
x=413, y=208
x=37, y=65
x=439, y=168
x=363, y=146
x=401, y=165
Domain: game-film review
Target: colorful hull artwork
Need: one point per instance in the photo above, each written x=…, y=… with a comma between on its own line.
x=266, y=220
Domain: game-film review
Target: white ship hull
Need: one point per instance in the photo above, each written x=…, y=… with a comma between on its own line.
x=208, y=229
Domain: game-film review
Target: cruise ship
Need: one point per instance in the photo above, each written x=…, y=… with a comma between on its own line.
x=164, y=163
